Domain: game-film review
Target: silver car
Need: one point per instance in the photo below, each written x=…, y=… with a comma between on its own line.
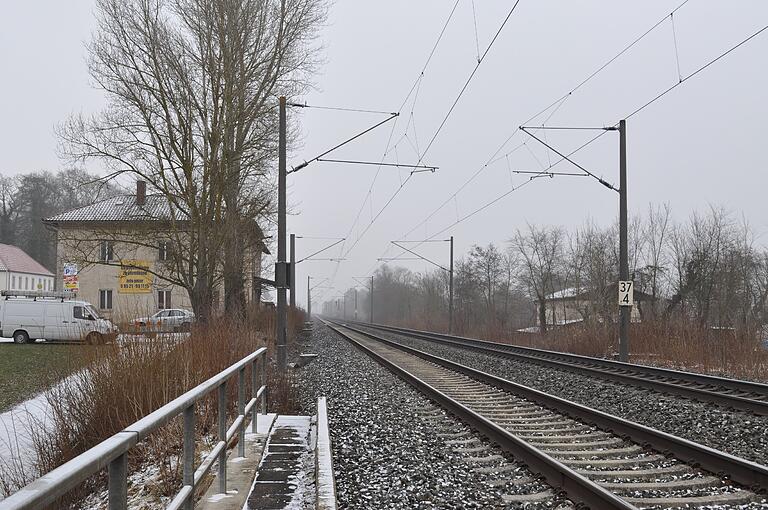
x=171, y=319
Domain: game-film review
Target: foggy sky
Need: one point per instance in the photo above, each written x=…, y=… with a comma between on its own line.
x=700, y=145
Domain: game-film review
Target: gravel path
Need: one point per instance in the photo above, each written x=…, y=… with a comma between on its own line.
x=393, y=448
x=735, y=432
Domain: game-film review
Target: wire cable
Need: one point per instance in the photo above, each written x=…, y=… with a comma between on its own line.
x=338, y=109
x=442, y=124
x=589, y=142
x=697, y=71
x=414, y=87
x=557, y=103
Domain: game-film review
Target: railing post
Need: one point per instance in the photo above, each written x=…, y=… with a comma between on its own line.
x=189, y=455
x=223, y=437
x=241, y=411
x=118, y=483
x=254, y=391
x=263, y=383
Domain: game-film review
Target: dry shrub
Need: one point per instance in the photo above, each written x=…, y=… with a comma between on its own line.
x=124, y=382
x=676, y=343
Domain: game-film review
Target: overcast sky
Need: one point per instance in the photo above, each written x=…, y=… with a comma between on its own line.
x=701, y=144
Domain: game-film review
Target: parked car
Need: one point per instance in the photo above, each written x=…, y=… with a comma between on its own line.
x=29, y=318
x=171, y=319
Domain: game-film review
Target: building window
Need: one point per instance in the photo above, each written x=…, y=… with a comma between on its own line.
x=13, y=282
x=105, y=299
x=163, y=299
x=26, y=283
x=164, y=251
x=107, y=253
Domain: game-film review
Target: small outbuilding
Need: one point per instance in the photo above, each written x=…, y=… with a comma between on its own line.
x=19, y=271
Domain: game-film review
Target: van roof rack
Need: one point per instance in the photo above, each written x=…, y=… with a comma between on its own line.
x=36, y=294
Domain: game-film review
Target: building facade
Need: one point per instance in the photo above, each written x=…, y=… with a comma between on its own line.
x=20, y=272
x=118, y=254
x=572, y=305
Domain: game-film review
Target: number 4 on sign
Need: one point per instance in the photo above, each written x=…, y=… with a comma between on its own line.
x=626, y=294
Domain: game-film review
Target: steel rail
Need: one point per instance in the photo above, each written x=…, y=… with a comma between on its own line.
x=578, y=487
x=676, y=382
x=112, y=453
x=740, y=470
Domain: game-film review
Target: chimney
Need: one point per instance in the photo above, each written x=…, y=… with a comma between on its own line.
x=141, y=193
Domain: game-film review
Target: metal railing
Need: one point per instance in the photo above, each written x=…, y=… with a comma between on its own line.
x=112, y=453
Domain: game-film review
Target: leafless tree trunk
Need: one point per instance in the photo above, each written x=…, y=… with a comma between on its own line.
x=541, y=250
x=190, y=85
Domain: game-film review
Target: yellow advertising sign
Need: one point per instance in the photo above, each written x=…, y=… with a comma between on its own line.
x=134, y=277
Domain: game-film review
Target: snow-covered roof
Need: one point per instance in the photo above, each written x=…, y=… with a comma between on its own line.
x=564, y=293
x=14, y=259
x=117, y=209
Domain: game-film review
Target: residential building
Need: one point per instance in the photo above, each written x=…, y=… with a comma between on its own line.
x=118, y=255
x=19, y=271
x=573, y=305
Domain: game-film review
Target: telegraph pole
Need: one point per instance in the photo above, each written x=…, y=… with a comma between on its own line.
x=293, y=271
x=624, y=311
x=309, y=300
x=371, y=299
x=450, y=293
x=281, y=275
x=355, y=303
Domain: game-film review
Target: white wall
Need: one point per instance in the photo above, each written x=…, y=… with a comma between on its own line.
x=11, y=280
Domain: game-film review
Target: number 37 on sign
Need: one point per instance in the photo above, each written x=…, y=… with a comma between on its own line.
x=626, y=293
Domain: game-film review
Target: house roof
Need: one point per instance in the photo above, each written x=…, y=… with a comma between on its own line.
x=13, y=258
x=116, y=209
x=123, y=208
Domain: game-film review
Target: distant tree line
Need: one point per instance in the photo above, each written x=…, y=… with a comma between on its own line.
x=707, y=270
x=26, y=199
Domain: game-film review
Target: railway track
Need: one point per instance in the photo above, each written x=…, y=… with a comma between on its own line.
x=597, y=459
x=731, y=393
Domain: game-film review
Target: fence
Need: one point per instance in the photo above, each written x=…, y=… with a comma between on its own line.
x=112, y=453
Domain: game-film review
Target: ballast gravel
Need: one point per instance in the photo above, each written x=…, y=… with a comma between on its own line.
x=736, y=432
x=394, y=449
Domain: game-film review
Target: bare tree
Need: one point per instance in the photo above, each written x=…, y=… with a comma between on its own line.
x=541, y=250
x=190, y=85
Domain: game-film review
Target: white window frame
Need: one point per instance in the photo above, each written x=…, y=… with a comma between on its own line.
x=106, y=299
x=106, y=251
x=164, y=299
x=163, y=251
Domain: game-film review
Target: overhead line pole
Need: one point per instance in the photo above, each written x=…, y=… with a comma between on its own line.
x=280, y=273
x=293, y=271
x=624, y=311
x=450, y=293
x=370, y=295
x=449, y=270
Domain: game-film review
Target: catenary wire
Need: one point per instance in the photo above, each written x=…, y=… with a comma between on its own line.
x=440, y=127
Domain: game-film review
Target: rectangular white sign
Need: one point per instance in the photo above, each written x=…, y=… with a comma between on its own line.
x=626, y=293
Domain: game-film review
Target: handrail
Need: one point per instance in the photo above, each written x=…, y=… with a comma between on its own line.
x=325, y=483
x=112, y=452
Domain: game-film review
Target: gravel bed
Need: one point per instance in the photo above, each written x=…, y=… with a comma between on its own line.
x=393, y=448
x=738, y=433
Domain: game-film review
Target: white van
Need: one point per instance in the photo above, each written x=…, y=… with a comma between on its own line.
x=28, y=318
